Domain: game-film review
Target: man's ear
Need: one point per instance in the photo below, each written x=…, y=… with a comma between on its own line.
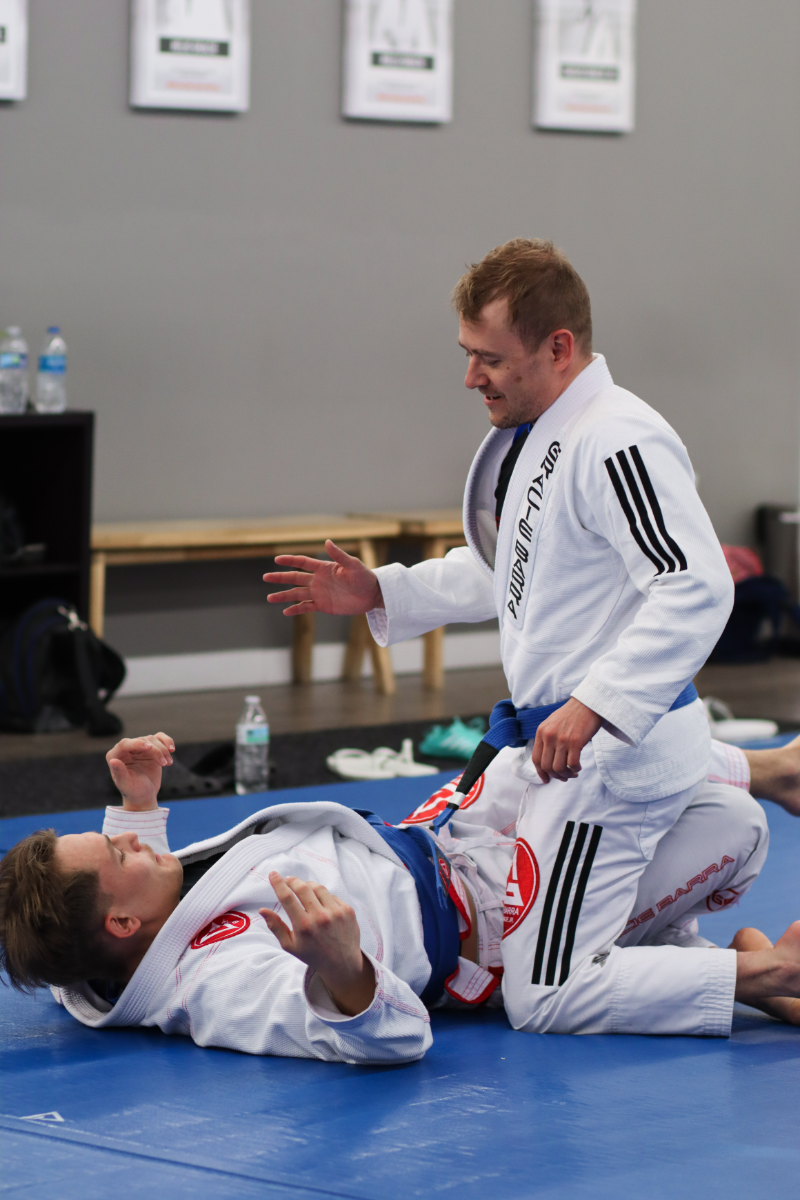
x=121, y=927
x=562, y=345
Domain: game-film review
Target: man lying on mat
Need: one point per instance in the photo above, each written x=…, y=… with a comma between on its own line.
x=225, y=942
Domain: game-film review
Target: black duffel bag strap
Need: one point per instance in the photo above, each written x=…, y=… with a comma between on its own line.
x=101, y=722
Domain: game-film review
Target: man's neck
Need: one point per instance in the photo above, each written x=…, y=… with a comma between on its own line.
x=143, y=941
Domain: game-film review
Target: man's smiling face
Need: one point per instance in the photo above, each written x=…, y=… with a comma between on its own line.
x=137, y=884
x=508, y=375
x=517, y=384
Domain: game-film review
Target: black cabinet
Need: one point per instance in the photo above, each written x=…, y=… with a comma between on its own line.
x=46, y=473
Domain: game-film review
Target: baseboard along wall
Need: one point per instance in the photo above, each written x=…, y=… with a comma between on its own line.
x=250, y=668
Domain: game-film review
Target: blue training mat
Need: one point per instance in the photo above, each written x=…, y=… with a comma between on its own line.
x=487, y=1113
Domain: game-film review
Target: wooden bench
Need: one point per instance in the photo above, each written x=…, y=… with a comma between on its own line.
x=131, y=543
x=437, y=530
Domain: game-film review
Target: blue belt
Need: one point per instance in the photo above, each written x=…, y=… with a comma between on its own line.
x=510, y=726
x=431, y=875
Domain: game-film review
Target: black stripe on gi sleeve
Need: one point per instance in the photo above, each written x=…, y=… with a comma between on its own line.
x=619, y=488
x=656, y=507
x=641, y=508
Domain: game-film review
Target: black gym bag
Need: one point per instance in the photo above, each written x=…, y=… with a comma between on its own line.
x=55, y=674
x=753, y=633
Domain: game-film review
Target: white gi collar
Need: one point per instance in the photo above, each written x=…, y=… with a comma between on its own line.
x=530, y=488
x=480, y=527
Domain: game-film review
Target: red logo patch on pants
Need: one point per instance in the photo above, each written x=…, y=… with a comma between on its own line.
x=436, y=803
x=721, y=899
x=226, y=926
x=522, y=887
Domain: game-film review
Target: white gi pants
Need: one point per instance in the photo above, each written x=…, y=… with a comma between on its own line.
x=599, y=889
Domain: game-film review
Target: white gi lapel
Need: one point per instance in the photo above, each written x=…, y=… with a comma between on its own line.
x=529, y=491
x=526, y=498
x=480, y=528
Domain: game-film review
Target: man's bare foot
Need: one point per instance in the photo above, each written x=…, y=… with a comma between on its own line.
x=775, y=775
x=785, y=1008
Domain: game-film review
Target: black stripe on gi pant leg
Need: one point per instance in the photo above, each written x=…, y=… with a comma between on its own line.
x=563, y=901
x=549, y=900
x=656, y=507
x=626, y=508
x=583, y=879
x=641, y=508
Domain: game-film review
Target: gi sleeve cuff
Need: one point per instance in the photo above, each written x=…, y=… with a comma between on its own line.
x=379, y=625
x=150, y=827
x=322, y=1004
x=619, y=716
x=387, y=624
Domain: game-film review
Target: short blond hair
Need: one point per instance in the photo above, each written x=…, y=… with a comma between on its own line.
x=543, y=290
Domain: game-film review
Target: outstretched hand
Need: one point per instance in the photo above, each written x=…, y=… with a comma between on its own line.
x=560, y=739
x=325, y=936
x=135, y=765
x=343, y=586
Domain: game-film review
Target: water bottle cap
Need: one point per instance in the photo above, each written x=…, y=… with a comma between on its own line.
x=53, y=329
x=252, y=699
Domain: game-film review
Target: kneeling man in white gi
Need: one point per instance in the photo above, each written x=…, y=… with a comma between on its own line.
x=587, y=540
x=195, y=943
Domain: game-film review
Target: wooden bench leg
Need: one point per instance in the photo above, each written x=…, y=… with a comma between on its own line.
x=433, y=642
x=302, y=647
x=360, y=639
x=433, y=660
x=382, y=668
x=356, y=648
x=97, y=593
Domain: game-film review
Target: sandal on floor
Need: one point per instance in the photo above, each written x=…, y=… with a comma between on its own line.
x=725, y=727
x=382, y=763
x=360, y=764
x=405, y=766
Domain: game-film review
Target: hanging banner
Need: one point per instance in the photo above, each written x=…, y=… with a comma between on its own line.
x=585, y=65
x=398, y=60
x=190, y=54
x=13, y=49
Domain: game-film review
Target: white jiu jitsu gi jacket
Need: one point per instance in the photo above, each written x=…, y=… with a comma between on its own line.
x=606, y=575
x=216, y=973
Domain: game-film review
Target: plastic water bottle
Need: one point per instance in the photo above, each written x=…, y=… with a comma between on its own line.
x=13, y=371
x=51, y=387
x=252, y=748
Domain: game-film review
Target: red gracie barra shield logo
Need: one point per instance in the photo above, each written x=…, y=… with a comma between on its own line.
x=226, y=926
x=436, y=803
x=721, y=899
x=522, y=887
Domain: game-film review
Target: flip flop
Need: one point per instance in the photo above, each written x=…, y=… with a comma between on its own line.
x=351, y=763
x=382, y=763
x=743, y=730
x=405, y=766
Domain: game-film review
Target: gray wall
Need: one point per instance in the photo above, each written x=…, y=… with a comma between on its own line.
x=257, y=306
